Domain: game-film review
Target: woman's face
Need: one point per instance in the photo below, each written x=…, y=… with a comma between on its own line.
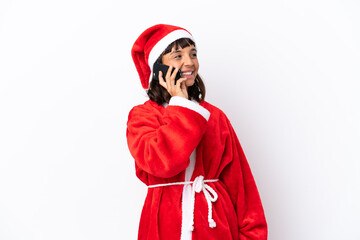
x=184, y=59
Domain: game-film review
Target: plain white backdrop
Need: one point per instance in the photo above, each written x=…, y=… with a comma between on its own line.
x=286, y=73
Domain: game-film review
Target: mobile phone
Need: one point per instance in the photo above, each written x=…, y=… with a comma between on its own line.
x=164, y=68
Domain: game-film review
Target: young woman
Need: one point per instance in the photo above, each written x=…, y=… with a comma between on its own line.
x=199, y=182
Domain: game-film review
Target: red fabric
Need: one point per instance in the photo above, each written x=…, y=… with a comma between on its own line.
x=161, y=141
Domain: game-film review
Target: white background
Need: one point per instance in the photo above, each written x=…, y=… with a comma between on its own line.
x=286, y=73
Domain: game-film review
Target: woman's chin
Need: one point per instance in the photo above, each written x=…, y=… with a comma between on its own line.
x=190, y=82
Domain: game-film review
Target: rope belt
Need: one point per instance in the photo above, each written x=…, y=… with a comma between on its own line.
x=198, y=185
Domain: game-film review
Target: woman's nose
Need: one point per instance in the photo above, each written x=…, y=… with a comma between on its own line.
x=188, y=61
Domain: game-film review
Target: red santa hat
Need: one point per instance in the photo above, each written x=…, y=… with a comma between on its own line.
x=149, y=46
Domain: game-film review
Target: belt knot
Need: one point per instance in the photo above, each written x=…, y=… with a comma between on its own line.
x=198, y=186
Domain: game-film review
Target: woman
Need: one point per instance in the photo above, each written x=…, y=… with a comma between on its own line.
x=199, y=182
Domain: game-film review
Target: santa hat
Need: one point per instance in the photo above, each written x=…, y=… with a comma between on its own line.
x=149, y=46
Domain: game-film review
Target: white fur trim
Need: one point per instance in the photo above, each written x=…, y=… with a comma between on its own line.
x=193, y=105
x=186, y=234
x=190, y=169
x=162, y=45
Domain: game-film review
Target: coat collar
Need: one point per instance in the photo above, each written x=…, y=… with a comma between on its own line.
x=161, y=108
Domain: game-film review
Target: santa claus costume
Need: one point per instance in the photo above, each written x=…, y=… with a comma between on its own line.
x=200, y=185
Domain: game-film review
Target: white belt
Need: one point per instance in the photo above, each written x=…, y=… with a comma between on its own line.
x=198, y=185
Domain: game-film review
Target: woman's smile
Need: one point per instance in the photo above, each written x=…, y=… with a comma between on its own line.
x=187, y=74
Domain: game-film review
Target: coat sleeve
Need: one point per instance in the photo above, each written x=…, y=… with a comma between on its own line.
x=243, y=192
x=162, y=144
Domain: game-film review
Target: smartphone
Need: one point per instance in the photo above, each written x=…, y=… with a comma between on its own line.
x=164, y=68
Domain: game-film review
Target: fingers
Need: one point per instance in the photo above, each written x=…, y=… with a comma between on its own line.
x=172, y=75
x=181, y=87
x=169, y=82
x=179, y=81
x=161, y=80
x=178, y=89
x=168, y=73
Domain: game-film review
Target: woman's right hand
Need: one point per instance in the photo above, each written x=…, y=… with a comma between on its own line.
x=179, y=89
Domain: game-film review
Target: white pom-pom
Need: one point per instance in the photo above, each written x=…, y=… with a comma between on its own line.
x=212, y=223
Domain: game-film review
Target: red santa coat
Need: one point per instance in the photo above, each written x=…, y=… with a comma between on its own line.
x=161, y=140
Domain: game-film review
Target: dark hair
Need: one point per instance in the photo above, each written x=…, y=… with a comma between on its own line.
x=159, y=94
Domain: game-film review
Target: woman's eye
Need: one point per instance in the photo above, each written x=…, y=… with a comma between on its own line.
x=177, y=56
x=194, y=55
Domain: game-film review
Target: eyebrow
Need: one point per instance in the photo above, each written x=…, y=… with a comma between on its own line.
x=177, y=51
